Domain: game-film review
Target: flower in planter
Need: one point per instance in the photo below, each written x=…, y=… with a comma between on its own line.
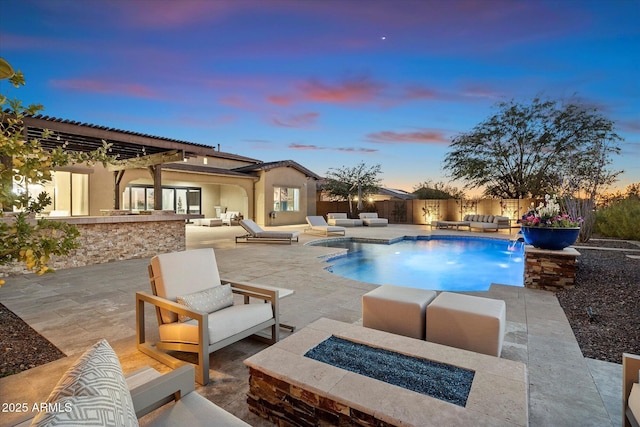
x=547, y=214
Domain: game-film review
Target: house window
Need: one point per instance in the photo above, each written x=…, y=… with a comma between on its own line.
x=69, y=193
x=286, y=199
x=181, y=200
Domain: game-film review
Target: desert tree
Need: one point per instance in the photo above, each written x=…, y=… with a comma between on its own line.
x=528, y=150
x=437, y=190
x=345, y=183
x=525, y=150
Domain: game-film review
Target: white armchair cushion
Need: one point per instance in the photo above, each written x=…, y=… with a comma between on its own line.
x=93, y=392
x=209, y=300
x=222, y=324
x=182, y=273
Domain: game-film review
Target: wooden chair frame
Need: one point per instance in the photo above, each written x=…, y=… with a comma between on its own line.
x=203, y=348
x=630, y=374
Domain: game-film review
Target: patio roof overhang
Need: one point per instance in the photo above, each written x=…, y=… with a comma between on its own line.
x=84, y=137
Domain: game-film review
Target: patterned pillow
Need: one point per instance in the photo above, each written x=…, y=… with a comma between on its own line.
x=93, y=392
x=209, y=300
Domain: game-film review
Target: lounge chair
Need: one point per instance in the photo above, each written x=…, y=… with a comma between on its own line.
x=317, y=224
x=630, y=390
x=207, y=319
x=257, y=234
x=371, y=219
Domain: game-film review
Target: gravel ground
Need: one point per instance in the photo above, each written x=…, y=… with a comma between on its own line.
x=22, y=347
x=604, y=307
x=603, y=310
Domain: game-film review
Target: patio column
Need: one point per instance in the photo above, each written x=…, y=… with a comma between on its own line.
x=117, y=179
x=156, y=173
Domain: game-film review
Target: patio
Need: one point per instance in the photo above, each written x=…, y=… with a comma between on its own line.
x=74, y=308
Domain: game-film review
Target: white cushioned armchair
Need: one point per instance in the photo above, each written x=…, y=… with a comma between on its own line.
x=206, y=319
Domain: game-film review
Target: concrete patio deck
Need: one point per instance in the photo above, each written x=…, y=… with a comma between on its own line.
x=74, y=308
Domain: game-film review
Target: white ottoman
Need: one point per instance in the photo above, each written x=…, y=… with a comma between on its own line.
x=467, y=322
x=397, y=309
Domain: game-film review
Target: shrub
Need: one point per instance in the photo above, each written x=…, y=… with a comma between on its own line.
x=620, y=219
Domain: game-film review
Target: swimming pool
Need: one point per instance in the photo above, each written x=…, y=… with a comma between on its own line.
x=437, y=263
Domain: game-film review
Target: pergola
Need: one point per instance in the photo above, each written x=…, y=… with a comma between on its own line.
x=132, y=150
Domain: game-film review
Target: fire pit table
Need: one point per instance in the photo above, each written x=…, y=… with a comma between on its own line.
x=335, y=373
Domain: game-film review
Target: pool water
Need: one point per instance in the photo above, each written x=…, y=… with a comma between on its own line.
x=436, y=263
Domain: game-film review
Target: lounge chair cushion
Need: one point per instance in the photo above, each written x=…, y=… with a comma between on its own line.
x=171, y=281
x=209, y=300
x=93, y=392
x=222, y=324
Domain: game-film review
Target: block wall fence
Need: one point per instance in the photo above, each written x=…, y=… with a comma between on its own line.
x=425, y=211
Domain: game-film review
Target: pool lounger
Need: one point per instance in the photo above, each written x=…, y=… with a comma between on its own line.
x=450, y=224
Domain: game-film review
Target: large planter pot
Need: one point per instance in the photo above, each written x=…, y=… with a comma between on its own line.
x=550, y=238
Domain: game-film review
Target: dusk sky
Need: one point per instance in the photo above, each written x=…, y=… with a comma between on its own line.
x=325, y=83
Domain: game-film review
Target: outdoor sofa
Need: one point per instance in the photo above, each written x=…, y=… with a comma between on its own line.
x=340, y=219
x=94, y=391
x=256, y=234
x=482, y=222
x=488, y=222
x=371, y=219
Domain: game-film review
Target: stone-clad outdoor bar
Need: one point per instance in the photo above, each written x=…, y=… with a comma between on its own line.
x=118, y=237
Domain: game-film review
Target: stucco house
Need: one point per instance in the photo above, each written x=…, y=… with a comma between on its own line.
x=159, y=173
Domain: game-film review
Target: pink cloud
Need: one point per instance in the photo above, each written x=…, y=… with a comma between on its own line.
x=282, y=100
x=147, y=13
x=297, y=121
x=106, y=87
x=421, y=137
x=353, y=90
x=236, y=101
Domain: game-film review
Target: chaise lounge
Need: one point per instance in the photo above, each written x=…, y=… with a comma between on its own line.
x=196, y=312
x=317, y=224
x=256, y=234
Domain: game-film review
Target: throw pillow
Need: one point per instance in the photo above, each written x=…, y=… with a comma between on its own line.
x=209, y=300
x=93, y=392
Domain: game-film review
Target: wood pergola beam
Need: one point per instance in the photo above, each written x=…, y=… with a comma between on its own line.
x=148, y=161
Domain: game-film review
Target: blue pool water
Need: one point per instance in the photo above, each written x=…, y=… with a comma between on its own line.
x=437, y=263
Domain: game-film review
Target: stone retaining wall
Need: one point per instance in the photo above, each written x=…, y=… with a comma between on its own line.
x=286, y=405
x=117, y=238
x=550, y=270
